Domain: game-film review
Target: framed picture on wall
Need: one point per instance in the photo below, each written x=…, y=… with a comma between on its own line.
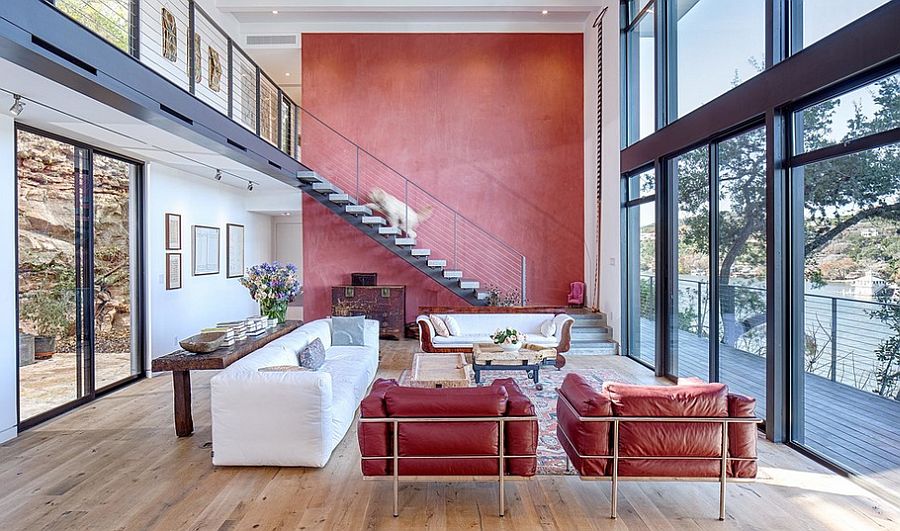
x=173, y=271
x=205, y=246
x=234, y=250
x=173, y=232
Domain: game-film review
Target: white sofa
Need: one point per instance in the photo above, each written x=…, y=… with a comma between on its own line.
x=476, y=327
x=290, y=418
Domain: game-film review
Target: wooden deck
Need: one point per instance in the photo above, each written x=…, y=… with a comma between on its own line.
x=858, y=429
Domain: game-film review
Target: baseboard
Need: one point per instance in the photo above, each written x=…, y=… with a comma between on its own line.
x=8, y=434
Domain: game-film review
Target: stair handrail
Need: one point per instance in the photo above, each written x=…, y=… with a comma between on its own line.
x=408, y=182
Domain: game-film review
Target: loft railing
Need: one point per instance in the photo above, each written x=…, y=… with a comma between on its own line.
x=842, y=334
x=181, y=42
x=450, y=235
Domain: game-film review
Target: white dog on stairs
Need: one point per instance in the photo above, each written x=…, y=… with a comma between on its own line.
x=395, y=211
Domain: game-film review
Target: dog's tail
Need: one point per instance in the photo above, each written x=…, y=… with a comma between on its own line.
x=426, y=213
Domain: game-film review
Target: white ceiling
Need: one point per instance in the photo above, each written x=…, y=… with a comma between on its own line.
x=57, y=109
x=258, y=17
x=278, y=63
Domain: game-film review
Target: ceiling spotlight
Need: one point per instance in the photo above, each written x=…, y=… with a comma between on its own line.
x=285, y=213
x=274, y=11
x=250, y=186
x=18, y=106
x=288, y=74
x=544, y=12
x=218, y=175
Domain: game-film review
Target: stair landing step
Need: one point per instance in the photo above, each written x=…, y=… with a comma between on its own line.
x=469, y=284
x=359, y=209
x=374, y=220
x=420, y=252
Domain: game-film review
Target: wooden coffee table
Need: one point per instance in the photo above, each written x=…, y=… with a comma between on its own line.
x=490, y=357
x=440, y=370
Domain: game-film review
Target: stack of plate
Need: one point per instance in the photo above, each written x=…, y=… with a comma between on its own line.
x=229, y=334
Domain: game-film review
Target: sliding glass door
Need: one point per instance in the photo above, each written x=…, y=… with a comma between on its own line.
x=77, y=273
x=639, y=298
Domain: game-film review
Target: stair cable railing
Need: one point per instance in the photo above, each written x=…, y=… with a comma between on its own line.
x=181, y=42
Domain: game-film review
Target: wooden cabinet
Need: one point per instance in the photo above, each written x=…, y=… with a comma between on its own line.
x=386, y=304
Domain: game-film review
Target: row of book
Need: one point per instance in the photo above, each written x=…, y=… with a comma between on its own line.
x=236, y=331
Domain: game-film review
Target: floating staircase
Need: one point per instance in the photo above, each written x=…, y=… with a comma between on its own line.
x=392, y=238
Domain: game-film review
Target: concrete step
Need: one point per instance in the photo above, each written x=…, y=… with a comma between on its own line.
x=420, y=252
x=358, y=209
x=325, y=188
x=405, y=242
x=603, y=348
x=437, y=263
x=452, y=273
x=389, y=231
x=341, y=199
x=589, y=336
x=308, y=177
x=374, y=220
x=469, y=284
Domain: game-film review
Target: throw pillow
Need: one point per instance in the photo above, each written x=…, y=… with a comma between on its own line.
x=283, y=368
x=347, y=331
x=440, y=327
x=452, y=325
x=548, y=328
x=313, y=355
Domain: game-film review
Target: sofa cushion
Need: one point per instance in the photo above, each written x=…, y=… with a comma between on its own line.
x=313, y=355
x=440, y=327
x=485, y=324
x=548, y=328
x=452, y=325
x=295, y=341
x=585, y=438
x=659, y=439
x=283, y=368
x=267, y=356
x=348, y=331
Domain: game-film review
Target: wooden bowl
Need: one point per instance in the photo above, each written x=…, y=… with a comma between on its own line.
x=203, y=343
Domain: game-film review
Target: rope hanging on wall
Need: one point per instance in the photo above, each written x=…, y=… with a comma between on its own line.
x=598, y=23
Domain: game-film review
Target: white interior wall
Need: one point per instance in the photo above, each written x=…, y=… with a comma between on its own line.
x=203, y=301
x=9, y=356
x=609, y=251
x=287, y=248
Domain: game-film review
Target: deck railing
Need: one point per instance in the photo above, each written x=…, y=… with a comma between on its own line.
x=842, y=334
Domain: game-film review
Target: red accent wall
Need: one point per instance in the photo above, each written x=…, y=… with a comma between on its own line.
x=490, y=124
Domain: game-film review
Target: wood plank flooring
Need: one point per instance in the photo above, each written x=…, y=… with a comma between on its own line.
x=116, y=464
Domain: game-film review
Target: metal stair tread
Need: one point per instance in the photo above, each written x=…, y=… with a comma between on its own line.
x=404, y=242
x=341, y=198
x=389, y=231
x=437, y=263
x=420, y=252
x=358, y=209
x=373, y=220
x=452, y=273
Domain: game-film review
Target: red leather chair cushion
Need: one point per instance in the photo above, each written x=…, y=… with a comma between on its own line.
x=521, y=437
x=742, y=437
x=585, y=438
x=375, y=439
x=659, y=439
x=449, y=438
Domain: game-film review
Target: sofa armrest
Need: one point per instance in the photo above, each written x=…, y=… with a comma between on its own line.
x=426, y=333
x=258, y=417
x=565, y=335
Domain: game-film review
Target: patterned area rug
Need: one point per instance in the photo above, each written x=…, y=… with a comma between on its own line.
x=551, y=456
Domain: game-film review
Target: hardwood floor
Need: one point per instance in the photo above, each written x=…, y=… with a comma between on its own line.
x=116, y=464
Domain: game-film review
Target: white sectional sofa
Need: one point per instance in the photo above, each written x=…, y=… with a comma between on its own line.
x=477, y=324
x=290, y=418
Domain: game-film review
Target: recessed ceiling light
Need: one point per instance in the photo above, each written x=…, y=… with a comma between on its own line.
x=285, y=213
x=288, y=74
x=544, y=12
x=274, y=11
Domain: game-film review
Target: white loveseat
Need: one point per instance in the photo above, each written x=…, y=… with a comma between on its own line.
x=290, y=418
x=476, y=325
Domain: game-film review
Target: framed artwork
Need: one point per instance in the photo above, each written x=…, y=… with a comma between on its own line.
x=173, y=232
x=169, y=36
x=234, y=249
x=198, y=60
x=173, y=271
x=215, y=71
x=205, y=246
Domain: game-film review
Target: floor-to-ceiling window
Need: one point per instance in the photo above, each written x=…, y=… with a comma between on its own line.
x=640, y=266
x=849, y=285
x=78, y=280
x=640, y=70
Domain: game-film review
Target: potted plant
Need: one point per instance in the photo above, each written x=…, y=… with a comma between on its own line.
x=50, y=308
x=273, y=286
x=509, y=339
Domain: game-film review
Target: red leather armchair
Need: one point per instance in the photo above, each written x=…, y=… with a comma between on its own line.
x=489, y=433
x=696, y=431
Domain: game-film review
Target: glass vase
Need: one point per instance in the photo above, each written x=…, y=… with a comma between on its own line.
x=274, y=310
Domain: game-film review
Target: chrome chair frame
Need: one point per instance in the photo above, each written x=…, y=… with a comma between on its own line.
x=501, y=455
x=723, y=458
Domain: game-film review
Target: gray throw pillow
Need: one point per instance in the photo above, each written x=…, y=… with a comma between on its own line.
x=347, y=331
x=313, y=355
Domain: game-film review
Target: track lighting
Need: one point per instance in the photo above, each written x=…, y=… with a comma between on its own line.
x=218, y=175
x=18, y=106
x=250, y=186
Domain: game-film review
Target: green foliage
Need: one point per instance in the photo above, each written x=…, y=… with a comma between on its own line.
x=887, y=353
x=51, y=307
x=108, y=18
